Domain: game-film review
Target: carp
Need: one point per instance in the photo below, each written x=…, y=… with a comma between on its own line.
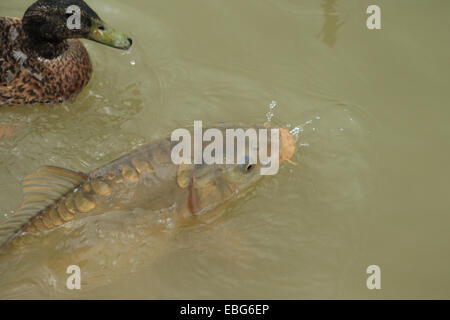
x=146, y=178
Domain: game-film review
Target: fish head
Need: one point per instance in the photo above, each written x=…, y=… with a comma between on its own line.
x=212, y=184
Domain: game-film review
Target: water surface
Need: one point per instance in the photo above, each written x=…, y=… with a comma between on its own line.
x=370, y=113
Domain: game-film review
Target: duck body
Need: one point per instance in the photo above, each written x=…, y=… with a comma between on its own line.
x=29, y=74
x=41, y=57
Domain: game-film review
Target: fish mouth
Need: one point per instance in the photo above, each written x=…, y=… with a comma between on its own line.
x=287, y=145
x=102, y=33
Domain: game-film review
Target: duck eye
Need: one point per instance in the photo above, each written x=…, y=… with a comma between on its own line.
x=249, y=167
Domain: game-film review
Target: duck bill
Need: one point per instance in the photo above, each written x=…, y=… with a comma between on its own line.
x=104, y=34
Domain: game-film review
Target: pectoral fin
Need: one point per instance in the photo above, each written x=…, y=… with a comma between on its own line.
x=184, y=175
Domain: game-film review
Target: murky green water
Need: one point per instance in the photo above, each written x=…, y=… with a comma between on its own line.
x=371, y=184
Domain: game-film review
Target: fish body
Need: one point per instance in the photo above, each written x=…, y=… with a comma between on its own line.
x=146, y=178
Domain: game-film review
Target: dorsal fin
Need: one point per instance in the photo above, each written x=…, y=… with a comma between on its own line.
x=40, y=190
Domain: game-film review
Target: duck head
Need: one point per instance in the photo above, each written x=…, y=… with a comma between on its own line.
x=54, y=21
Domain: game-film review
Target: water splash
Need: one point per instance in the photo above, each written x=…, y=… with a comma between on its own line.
x=271, y=113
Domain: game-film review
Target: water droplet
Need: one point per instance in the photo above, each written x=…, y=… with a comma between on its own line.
x=273, y=104
x=133, y=62
x=296, y=131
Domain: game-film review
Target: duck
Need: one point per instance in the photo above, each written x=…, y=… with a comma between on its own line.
x=42, y=59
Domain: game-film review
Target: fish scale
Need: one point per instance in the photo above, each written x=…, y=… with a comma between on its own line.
x=80, y=201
